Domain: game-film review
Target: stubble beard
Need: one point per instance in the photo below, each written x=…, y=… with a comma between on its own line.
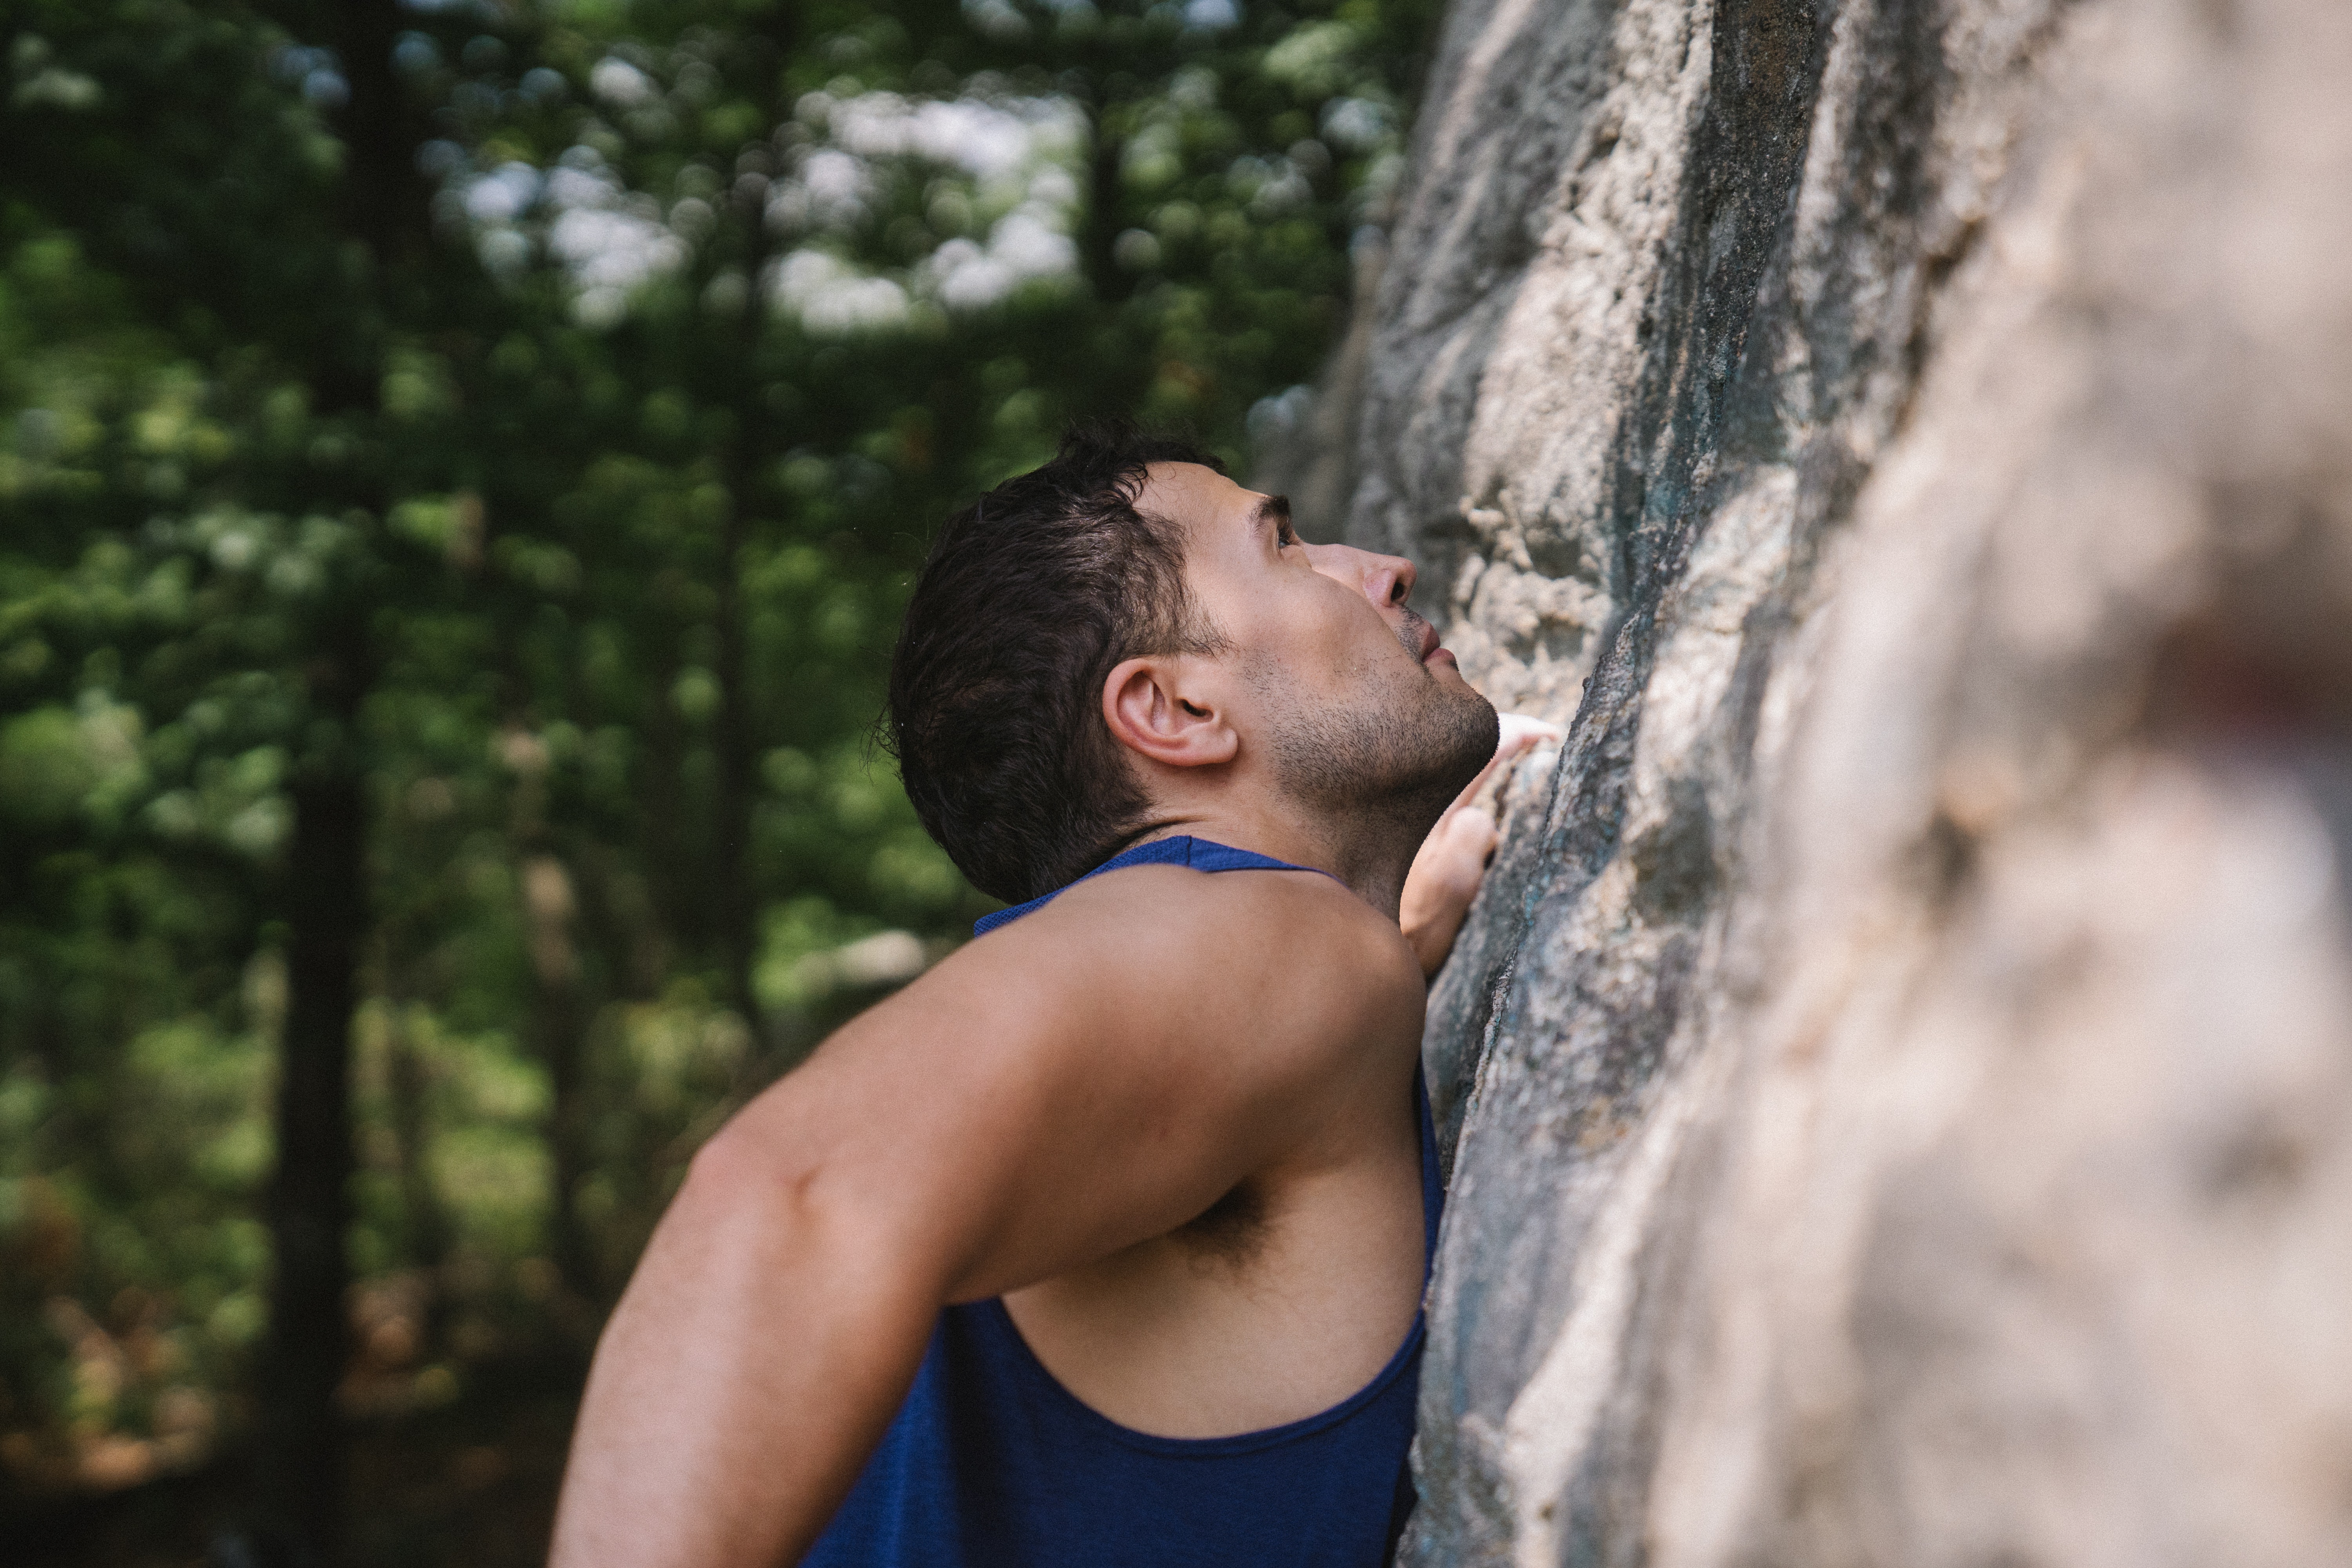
x=1395, y=755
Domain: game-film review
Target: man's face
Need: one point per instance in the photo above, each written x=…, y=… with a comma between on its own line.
x=1360, y=705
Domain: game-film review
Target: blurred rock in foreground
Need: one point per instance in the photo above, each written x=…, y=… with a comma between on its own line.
x=1902, y=1062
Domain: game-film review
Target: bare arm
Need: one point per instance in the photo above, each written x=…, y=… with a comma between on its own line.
x=1077, y=1082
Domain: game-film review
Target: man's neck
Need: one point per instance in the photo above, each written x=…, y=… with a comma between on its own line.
x=1370, y=858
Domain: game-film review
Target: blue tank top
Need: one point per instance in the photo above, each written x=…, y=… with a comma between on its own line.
x=992, y=1463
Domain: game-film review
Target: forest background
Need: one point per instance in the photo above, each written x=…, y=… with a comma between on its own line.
x=461, y=462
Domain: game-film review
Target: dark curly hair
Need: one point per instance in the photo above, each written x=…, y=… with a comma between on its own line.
x=1030, y=598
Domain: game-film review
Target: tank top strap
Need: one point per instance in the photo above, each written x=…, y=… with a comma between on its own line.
x=1196, y=854
x=1433, y=1182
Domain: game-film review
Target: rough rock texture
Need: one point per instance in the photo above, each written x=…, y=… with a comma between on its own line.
x=1903, y=1060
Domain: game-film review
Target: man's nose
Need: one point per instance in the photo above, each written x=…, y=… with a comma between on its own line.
x=1386, y=580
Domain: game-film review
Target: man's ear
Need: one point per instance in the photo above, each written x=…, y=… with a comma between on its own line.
x=1160, y=709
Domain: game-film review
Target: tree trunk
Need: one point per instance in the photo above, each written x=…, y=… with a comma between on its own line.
x=734, y=734
x=302, y=1450
x=1106, y=165
x=667, y=853
x=560, y=1020
x=425, y=1222
x=301, y=1486
x=735, y=890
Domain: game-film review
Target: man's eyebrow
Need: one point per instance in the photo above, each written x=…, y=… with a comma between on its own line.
x=1269, y=509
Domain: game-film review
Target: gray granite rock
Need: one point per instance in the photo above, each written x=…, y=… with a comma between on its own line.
x=1902, y=1061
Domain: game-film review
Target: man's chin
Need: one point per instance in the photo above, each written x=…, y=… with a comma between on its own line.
x=1471, y=727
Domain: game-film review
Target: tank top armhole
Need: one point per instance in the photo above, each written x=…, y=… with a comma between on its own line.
x=995, y=1324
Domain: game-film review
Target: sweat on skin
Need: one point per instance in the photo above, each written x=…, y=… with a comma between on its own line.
x=1046, y=1114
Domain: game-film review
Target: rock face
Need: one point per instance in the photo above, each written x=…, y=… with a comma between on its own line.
x=1903, y=1060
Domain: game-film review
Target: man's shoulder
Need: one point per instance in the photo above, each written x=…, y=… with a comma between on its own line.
x=1253, y=987
x=1305, y=929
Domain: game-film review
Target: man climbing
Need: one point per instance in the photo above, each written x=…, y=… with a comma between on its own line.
x=1103, y=1242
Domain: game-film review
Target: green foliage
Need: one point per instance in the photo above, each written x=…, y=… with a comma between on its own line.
x=592, y=434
